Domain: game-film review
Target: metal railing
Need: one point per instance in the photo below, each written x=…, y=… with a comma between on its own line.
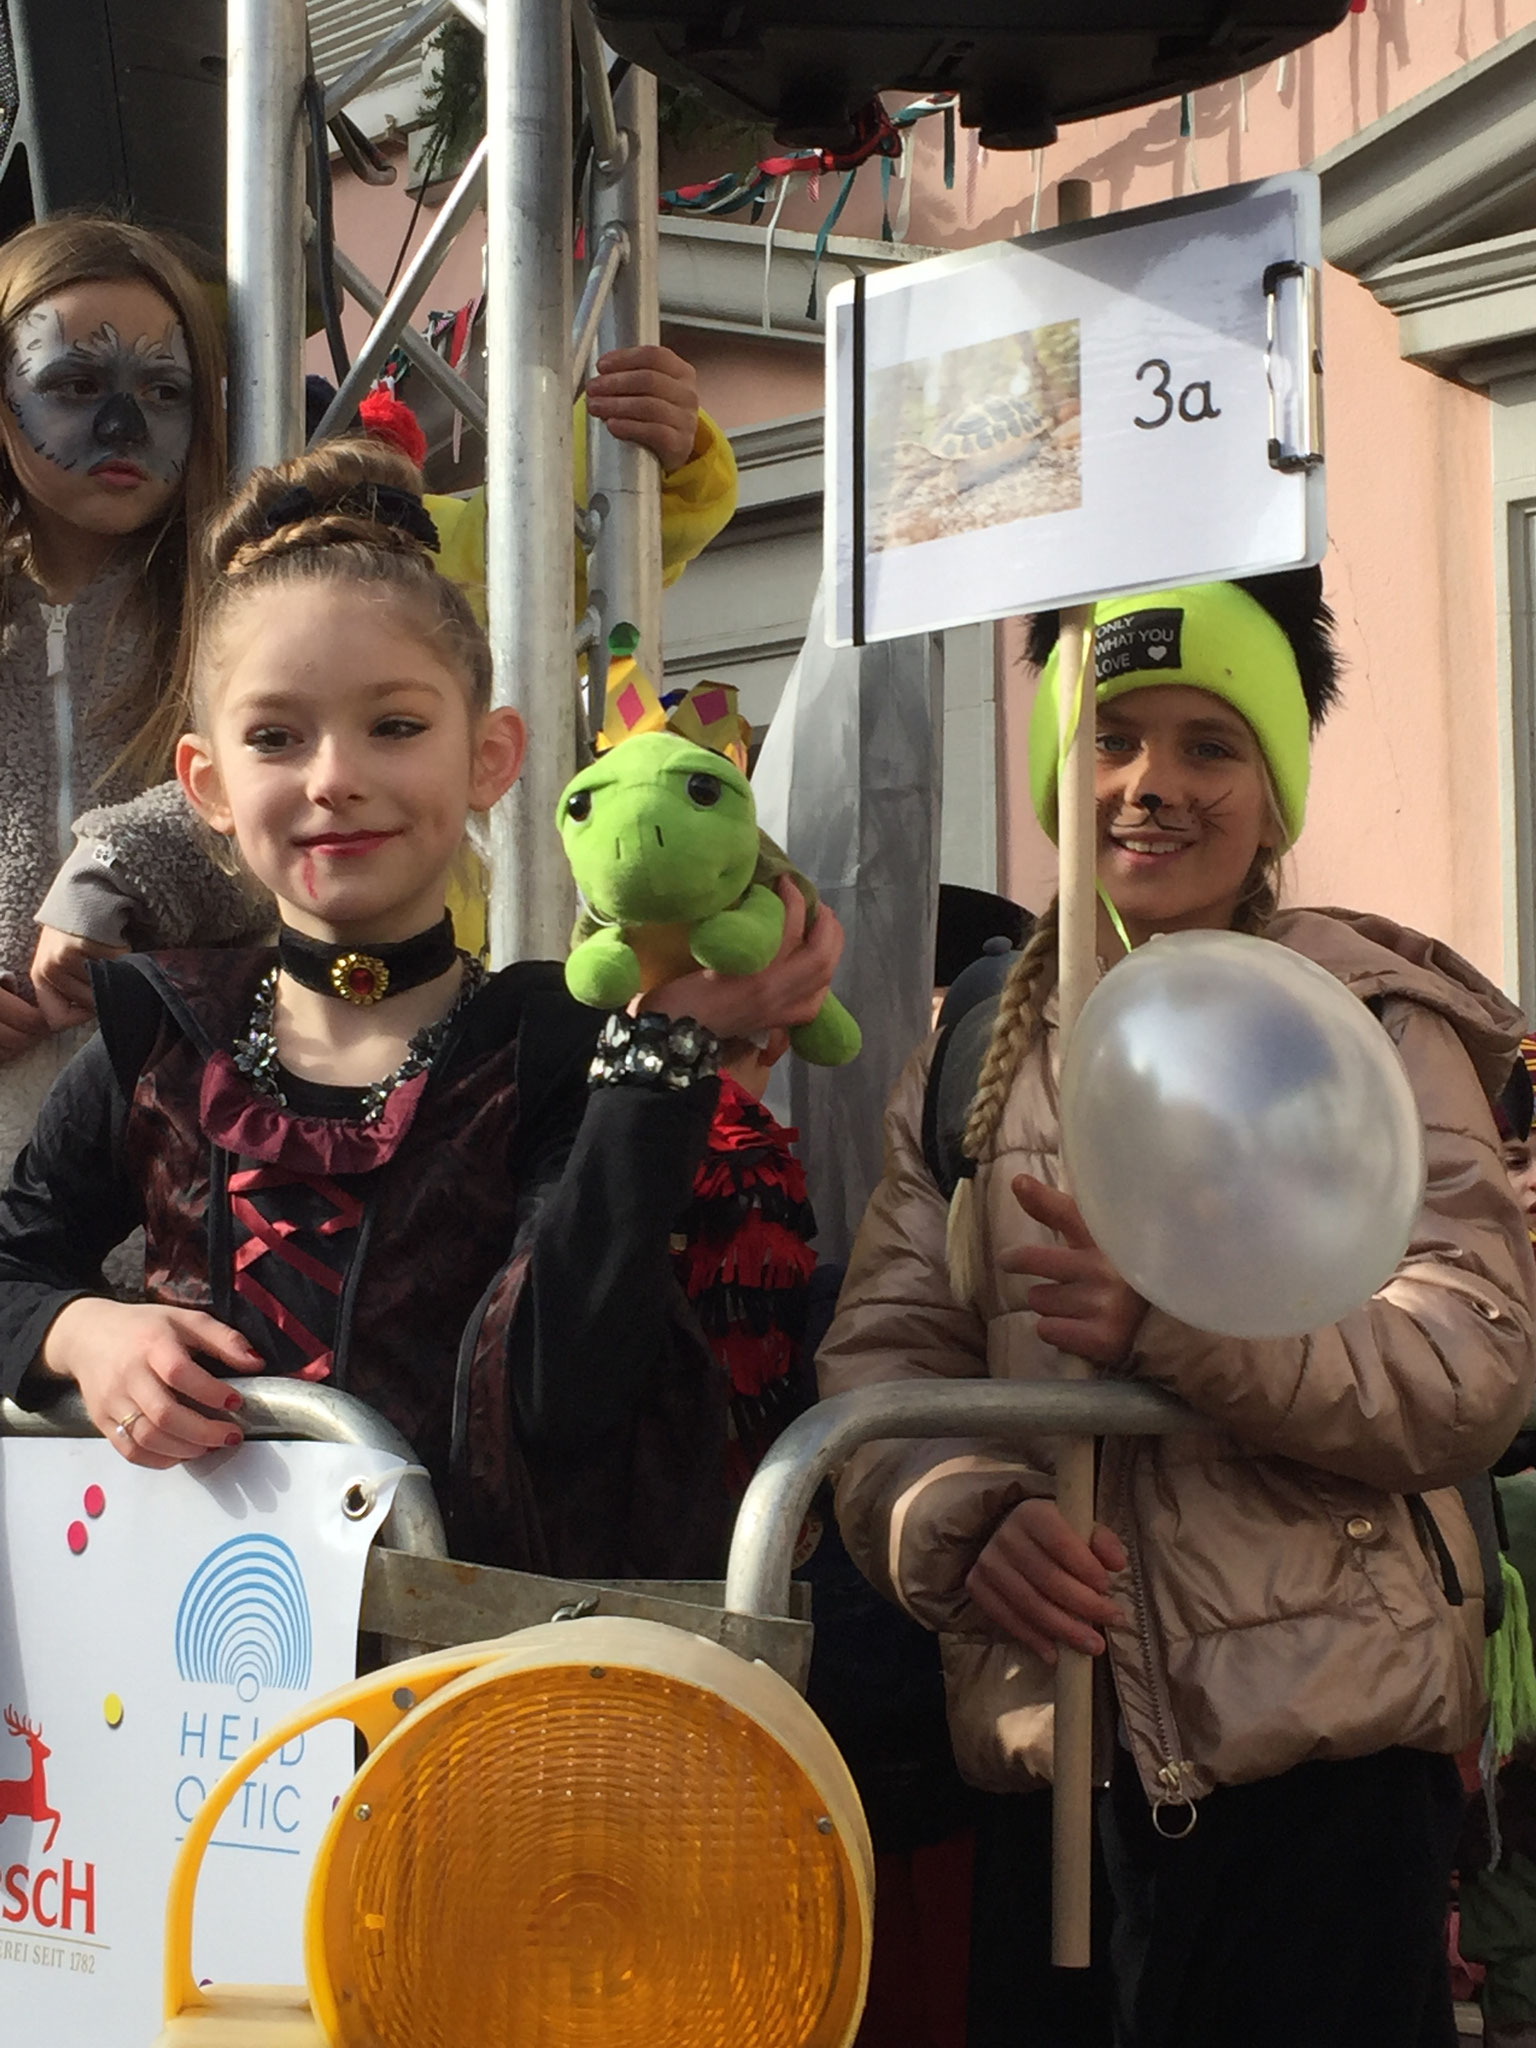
x=415, y=1596
x=773, y=1509
x=414, y=1590
x=284, y=1408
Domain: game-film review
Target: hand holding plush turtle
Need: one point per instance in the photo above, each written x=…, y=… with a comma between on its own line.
x=663, y=840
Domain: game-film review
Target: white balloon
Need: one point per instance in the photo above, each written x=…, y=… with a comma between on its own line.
x=1240, y=1135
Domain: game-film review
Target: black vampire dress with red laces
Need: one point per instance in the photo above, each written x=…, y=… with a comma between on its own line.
x=486, y=1262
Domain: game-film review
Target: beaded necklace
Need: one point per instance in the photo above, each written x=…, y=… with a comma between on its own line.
x=256, y=1057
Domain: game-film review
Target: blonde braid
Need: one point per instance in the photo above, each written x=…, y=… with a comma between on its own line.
x=1019, y=1012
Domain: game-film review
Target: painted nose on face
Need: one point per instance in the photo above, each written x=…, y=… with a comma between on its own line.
x=1153, y=783
x=120, y=423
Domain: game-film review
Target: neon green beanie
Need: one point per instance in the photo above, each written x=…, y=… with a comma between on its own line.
x=1210, y=636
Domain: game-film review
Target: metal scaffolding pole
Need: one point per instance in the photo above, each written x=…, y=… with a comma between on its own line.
x=264, y=231
x=416, y=349
x=530, y=566
x=401, y=40
x=625, y=485
x=395, y=314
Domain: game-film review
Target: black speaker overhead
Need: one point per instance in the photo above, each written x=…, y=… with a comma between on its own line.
x=115, y=104
x=1021, y=67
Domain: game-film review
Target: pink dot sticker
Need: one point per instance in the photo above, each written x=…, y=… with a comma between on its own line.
x=95, y=1502
x=76, y=1537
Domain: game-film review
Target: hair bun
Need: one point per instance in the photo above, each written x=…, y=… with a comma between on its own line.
x=379, y=504
x=355, y=489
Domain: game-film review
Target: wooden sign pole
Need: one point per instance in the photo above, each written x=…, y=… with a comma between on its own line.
x=1072, y=1774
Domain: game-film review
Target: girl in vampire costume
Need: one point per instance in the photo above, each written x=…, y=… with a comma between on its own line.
x=296, y=1127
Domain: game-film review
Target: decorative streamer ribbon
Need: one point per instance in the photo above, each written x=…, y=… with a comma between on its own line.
x=823, y=236
x=773, y=228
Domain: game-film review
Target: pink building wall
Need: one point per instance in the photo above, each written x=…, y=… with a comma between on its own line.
x=1405, y=810
x=1405, y=814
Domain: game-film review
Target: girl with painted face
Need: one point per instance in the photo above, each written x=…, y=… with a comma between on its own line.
x=1290, y=1614
x=111, y=458
x=296, y=1126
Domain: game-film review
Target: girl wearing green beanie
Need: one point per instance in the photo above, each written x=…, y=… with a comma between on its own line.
x=1289, y=1613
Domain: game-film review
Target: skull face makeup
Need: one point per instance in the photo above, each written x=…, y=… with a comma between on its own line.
x=98, y=413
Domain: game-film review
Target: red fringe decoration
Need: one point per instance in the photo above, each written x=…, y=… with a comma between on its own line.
x=747, y=1259
x=390, y=419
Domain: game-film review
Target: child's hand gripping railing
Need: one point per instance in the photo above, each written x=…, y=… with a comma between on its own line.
x=762, y=1549
x=278, y=1408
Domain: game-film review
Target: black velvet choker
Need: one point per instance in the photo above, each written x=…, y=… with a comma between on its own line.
x=355, y=976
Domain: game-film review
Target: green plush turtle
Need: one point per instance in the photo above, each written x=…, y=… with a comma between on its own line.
x=662, y=837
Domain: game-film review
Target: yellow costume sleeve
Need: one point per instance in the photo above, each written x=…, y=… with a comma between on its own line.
x=696, y=502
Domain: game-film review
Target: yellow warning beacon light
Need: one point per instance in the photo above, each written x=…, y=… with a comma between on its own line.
x=601, y=1833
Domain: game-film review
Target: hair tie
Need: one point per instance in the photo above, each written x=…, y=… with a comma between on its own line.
x=400, y=509
x=296, y=503
x=382, y=504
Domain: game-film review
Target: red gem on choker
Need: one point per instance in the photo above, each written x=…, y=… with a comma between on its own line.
x=359, y=978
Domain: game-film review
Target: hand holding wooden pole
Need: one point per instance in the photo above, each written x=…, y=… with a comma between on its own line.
x=1077, y=840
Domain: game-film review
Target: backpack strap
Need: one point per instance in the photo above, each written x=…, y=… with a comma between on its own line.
x=952, y=1083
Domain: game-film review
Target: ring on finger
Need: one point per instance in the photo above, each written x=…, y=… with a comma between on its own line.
x=125, y=1427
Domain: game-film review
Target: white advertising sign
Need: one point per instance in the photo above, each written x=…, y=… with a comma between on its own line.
x=1126, y=405
x=151, y=1624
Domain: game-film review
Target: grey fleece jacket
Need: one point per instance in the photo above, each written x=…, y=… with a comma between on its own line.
x=60, y=667
x=144, y=874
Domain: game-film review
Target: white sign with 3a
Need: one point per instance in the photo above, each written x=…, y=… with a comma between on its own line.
x=1130, y=404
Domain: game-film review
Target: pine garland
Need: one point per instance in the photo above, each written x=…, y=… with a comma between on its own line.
x=454, y=101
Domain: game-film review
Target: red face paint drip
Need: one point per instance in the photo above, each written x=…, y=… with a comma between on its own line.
x=309, y=877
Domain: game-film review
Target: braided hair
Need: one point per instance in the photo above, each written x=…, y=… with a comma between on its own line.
x=349, y=511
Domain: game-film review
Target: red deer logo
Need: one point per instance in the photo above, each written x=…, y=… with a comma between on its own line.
x=28, y=1796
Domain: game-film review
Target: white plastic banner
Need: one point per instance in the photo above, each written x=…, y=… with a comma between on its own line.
x=151, y=1625
x=1129, y=404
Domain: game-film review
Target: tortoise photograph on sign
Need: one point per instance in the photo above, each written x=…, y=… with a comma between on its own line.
x=1130, y=403
x=976, y=437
